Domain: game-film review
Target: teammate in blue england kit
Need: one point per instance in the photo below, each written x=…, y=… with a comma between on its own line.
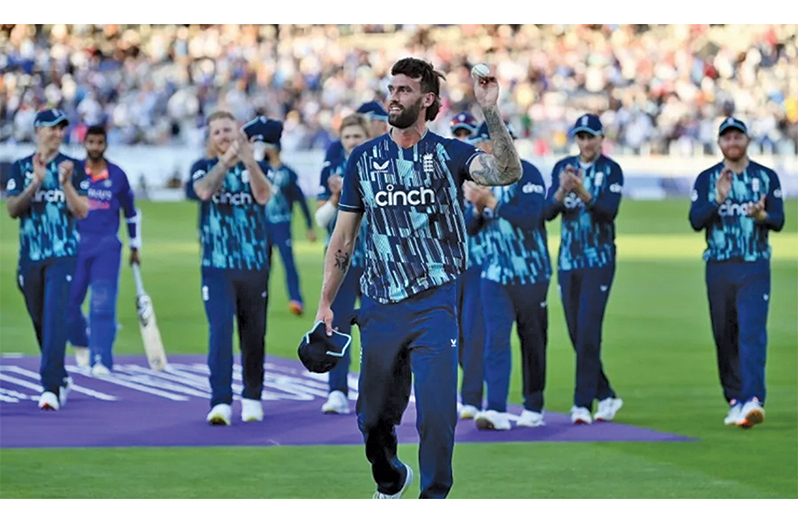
x=279, y=213
x=737, y=202
x=233, y=190
x=514, y=282
x=586, y=190
x=471, y=326
x=377, y=119
x=99, y=256
x=47, y=193
x=407, y=184
x=354, y=131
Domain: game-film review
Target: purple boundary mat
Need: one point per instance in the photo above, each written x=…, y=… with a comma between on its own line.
x=139, y=407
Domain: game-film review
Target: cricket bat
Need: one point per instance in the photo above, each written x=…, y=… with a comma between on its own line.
x=153, y=346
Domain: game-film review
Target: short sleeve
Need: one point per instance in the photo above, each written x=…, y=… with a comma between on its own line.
x=80, y=180
x=462, y=154
x=16, y=183
x=198, y=171
x=351, y=198
x=324, y=187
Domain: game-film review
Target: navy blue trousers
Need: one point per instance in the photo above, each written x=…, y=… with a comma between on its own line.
x=526, y=306
x=343, y=307
x=739, y=294
x=279, y=235
x=45, y=286
x=97, y=266
x=472, y=336
x=416, y=337
x=584, y=295
x=242, y=295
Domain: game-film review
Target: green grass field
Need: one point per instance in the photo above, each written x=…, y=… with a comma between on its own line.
x=658, y=353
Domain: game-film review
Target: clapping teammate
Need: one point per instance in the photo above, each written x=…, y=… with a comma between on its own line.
x=354, y=131
x=407, y=183
x=514, y=283
x=99, y=256
x=586, y=190
x=47, y=193
x=738, y=202
x=233, y=191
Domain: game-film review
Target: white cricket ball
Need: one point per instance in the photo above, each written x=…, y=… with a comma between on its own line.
x=480, y=71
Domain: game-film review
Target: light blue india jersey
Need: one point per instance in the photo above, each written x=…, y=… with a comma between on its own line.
x=412, y=201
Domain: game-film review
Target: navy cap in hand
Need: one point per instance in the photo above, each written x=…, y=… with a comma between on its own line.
x=50, y=118
x=588, y=123
x=321, y=353
x=373, y=110
x=264, y=129
x=732, y=123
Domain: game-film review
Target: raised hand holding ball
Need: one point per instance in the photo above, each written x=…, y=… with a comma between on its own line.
x=486, y=88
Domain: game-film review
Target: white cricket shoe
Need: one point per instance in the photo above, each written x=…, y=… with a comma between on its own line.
x=82, y=357
x=337, y=403
x=529, y=418
x=220, y=415
x=580, y=416
x=251, y=410
x=64, y=390
x=48, y=401
x=468, y=412
x=607, y=408
x=398, y=495
x=751, y=414
x=734, y=414
x=99, y=370
x=492, y=420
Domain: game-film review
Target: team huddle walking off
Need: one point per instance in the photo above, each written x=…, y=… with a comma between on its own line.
x=442, y=241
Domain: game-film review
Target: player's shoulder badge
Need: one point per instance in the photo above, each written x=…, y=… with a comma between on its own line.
x=85, y=184
x=12, y=184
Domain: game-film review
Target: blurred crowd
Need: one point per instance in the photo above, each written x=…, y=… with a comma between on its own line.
x=659, y=89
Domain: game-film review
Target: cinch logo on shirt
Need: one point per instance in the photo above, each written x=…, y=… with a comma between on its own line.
x=233, y=198
x=49, y=196
x=531, y=187
x=734, y=209
x=391, y=198
x=573, y=201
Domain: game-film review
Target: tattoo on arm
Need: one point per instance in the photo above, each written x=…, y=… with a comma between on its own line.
x=212, y=181
x=503, y=167
x=342, y=260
